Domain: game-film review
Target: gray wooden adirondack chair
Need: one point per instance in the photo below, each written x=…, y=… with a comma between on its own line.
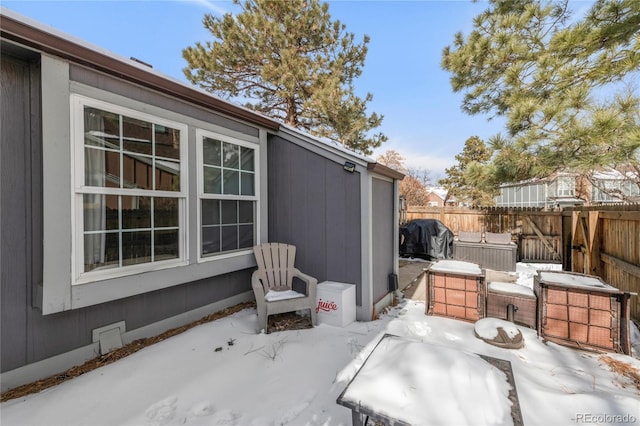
x=272, y=283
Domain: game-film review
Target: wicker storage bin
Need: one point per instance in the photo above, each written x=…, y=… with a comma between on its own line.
x=500, y=295
x=500, y=257
x=582, y=311
x=456, y=289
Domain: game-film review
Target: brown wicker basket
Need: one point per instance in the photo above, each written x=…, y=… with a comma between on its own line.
x=456, y=289
x=582, y=311
x=499, y=297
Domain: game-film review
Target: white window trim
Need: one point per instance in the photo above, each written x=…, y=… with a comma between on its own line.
x=79, y=189
x=200, y=135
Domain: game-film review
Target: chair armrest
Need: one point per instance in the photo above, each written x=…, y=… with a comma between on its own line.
x=311, y=282
x=256, y=284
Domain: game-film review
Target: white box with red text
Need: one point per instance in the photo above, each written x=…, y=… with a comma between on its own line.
x=336, y=303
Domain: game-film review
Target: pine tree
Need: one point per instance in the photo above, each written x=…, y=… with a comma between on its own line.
x=468, y=180
x=290, y=61
x=546, y=74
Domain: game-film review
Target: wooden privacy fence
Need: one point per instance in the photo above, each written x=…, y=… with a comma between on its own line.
x=599, y=240
x=538, y=233
x=605, y=241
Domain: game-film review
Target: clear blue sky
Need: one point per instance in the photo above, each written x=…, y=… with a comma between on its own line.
x=423, y=119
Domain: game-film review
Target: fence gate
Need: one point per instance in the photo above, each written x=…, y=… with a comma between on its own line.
x=540, y=238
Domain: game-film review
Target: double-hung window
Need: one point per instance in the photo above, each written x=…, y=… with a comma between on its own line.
x=566, y=186
x=130, y=190
x=228, y=190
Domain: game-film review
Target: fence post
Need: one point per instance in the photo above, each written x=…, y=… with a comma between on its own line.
x=575, y=219
x=595, y=240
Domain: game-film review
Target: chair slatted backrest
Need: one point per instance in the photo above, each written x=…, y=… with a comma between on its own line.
x=277, y=261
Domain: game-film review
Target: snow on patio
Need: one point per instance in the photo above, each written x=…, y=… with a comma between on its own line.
x=223, y=373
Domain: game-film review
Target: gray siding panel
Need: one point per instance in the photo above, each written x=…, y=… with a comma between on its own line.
x=315, y=205
x=343, y=222
x=383, y=241
x=26, y=336
x=14, y=248
x=59, y=333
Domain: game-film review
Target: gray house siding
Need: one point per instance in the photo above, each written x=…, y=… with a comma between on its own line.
x=315, y=205
x=383, y=236
x=27, y=335
x=17, y=271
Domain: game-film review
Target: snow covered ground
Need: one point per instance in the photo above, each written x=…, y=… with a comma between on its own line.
x=223, y=373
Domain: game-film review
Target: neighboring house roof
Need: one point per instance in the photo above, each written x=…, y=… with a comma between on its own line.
x=612, y=174
x=567, y=200
x=440, y=192
x=25, y=31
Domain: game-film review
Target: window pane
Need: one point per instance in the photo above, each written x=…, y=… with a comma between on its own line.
x=167, y=175
x=100, y=212
x=245, y=211
x=210, y=212
x=231, y=182
x=229, y=238
x=246, y=158
x=212, y=180
x=246, y=184
x=137, y=171
x=101, y=251
x=101, y=128
x=166, y=212
x=245, y=236
x=127, y=153
x=136, y=212
x=230, y=155
x=136, y=247
x=229, y=169
x=229, y=211
x=167, y=142
x=166, y=245
x=101, y=168
x=136, y=136
x=210, y=240
x=212, y=152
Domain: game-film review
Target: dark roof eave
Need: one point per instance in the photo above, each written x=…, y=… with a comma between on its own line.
x=385, y=171
x=38, y=39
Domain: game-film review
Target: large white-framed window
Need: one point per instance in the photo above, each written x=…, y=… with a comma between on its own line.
x=566, y=186
x=130, y=190
x=228, y=195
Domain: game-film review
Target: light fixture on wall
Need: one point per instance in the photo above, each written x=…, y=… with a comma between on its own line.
x=349, y=166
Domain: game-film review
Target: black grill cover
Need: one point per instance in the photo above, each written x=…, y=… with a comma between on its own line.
x=427, y=238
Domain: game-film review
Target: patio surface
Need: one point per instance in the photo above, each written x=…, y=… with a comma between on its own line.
x=408, y=279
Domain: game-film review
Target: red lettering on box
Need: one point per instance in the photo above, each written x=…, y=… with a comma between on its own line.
x=326, y=306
